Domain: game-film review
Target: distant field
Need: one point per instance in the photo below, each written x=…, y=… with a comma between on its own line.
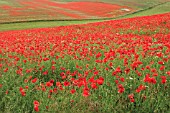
x=135, y=4
x=19, y=10
x=141, y=9
x=26, y=10
x=42, y=24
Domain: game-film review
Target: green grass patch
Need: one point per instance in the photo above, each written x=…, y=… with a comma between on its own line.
x=28, y=25
x=163, y=8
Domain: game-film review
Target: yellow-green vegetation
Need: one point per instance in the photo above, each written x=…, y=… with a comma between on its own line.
x=163, y=8
x=28, y=25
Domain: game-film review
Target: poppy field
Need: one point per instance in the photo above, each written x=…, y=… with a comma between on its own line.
x=103, y=67
x=37, y=10
x=29, y=10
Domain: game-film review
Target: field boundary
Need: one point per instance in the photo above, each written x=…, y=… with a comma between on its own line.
x=58, y=20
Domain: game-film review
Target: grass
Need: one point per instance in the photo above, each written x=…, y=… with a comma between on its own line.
x=164, y=8
x=8, y=2
x=28, y=25
x=4, y=2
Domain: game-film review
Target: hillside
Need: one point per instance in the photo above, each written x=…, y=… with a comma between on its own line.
x=29, y=10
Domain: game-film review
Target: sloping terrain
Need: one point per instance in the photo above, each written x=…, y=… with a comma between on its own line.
x=27, y=10
x=46, y=9
x=135, y=4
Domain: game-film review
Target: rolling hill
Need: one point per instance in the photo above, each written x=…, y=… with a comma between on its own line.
x=30, y=10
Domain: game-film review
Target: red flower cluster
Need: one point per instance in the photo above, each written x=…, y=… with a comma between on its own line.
x=23, y=93
x=36, y=105
x=131, y=97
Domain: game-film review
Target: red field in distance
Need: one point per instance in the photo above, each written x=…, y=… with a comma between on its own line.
x=46, y=9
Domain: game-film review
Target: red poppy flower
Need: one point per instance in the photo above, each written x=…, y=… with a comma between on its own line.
x=36, y=103
x=168, y=73
x=72, y=91
x=45, y=73
x=49, y=84
x=93, y=86
x=98, y=55
x=131, y=96
x=162, y=68
x=23, y=93
x=163, y=79
x=1, y=85
x=122, y=79
x=66, y=83
x=100, y=80
x=36, y=108
x=86, y=93
x=132, y=100
x=34, y=80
